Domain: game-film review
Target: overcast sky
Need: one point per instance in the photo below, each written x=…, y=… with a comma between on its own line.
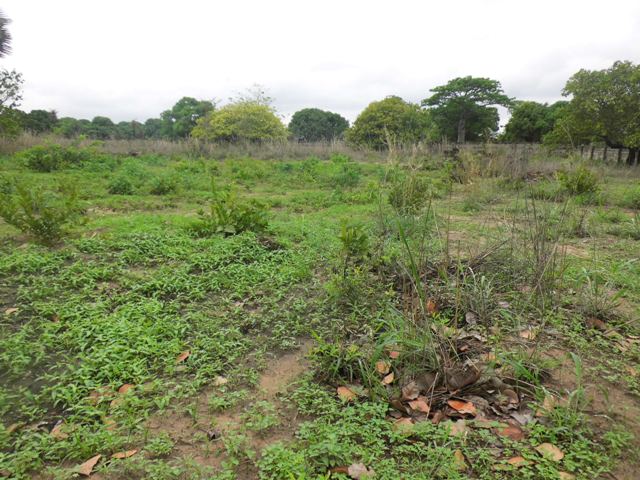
x=132, y=59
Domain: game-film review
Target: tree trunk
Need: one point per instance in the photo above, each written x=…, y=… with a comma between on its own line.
x=461, y=130
x=631, y=159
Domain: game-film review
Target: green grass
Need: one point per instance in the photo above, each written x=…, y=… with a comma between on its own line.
x=125, y=293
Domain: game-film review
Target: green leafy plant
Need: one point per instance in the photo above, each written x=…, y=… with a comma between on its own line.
x=229, y=215
x=47, y=158
x=121, y=185
x=579, y=181
x=163, y=185
x=46, y=214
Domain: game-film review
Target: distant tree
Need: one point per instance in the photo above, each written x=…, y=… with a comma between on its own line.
x=531, y=121
x=464, y=107
x=10, y=98
x=67, y=127
x=313, y=124
x=391, y=120
x=244, y=120
x=605, y=105
x=183, y=116
x=40, y=121
x=129, y=130
x=153, y=128
x=5, y=36
x=102, y=128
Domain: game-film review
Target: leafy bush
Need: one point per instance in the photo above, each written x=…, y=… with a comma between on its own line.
x=121, y=185
x=44, y=214
x=229, y=215
x=47, y=158
x=631, y=199
x=410, y=193
x=579, y=181
x=164, y=185
x=347, y=176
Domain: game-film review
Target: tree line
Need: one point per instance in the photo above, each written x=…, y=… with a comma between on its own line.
x=603, y=107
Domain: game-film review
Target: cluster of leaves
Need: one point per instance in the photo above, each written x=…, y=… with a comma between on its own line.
x=48, y=158
x=229, y=215
x=44, y=213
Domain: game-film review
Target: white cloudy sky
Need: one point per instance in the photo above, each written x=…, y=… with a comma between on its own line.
x=132, y=59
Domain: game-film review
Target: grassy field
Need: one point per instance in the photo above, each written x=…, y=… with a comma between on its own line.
x=318, y=318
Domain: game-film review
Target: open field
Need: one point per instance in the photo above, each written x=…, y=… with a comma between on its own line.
x=322, y=318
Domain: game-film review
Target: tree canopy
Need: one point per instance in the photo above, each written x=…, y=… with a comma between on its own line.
x=241, y=121
x=179, y=120
x=605, y=105
x=531, y=121
x=464, y=108
x=313, y=124
x=390, y=121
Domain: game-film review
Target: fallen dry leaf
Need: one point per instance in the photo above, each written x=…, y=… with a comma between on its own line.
x=548, y=404
x=403, y=425
x=110, y=423
x=387, y=380
x=13, y=427
x=10, y=311
x=58, y=432
x=219, y=381
x=394, y=354
x=419, y=405
x=359, y=470
x=458, y=429
x=383, y=367
x=462, y=407
x=518, y=462
x=125, y=454
x=410, y=391
x=125, y=388
x=528, y=334
x=437, y=417
x=87, y=467
x=512, y=431
x=459, y=462
x=55, y=318
x=431, y=307
x=566, y=476
x=346, y=394
x=550, y=451
x=596, y=324
x=183, y=356
x=511, y=395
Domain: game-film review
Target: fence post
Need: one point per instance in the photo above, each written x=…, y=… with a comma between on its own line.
x=591, y=153
x=581, y=151
x=604, y=154
x=619, y=156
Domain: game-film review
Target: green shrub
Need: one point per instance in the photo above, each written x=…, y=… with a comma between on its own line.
x=579, y=181
x=631, y=198
x=229, y=215
x=121, y=185
x=347, y=176
x=48, y=158
x=43, y=213
x=411, y=193
x=164, y=185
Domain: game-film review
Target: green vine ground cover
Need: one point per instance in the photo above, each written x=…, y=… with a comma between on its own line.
x=132, y=314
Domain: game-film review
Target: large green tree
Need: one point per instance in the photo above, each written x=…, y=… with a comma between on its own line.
x=102, y=128
x=153, y=128
x=40, y=121
x=241, y=121
x=178, y=121
x=531, y=121
x=605, y=105
x=389, y=122
x=464, y=108
x=313, y=124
